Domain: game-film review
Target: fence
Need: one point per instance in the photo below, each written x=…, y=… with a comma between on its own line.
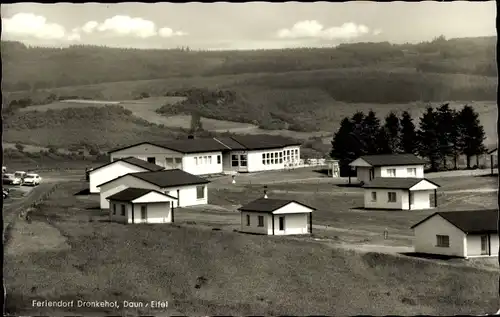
x=305, y=163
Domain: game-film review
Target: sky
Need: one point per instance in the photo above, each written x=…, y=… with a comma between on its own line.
x=251, y=25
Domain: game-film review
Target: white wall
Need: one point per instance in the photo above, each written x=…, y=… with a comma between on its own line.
x=363, y=174
x=474, y=245
x=112, y=171
x=187, y=195
x=116, y=186
x=292, y=208
x=206, y=165
x=294, y=224
x=425, y=237
x=401, y=171
x=421, y=199
x=143, y=151
x=156, y=213
x=382, y=197
x=254, y=222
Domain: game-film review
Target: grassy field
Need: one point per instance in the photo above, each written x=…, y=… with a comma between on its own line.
x=200, y=271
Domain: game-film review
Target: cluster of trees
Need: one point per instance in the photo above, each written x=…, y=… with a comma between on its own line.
x=31, y=68
x=442, y=133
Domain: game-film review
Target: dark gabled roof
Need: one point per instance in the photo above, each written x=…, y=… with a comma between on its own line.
x=395, y=182
x=231, y=144
x=470, y=221
x=134, y=161
x=392, y=159
x=239, y=142
x=131, y=193
x=269, y=205
x=262, y=142
x=165, y=178
x=170, y=178
x=184, y=146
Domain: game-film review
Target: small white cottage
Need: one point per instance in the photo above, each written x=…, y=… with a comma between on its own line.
x=369, y=167
x=187, y=188
x=139, y=205
x=464, y=234
x=118, y=168
x=276, y=217
x=400, y=193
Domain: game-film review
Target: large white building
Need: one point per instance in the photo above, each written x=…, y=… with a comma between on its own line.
x=139, y=205
x=117, y=168
x=188, y=189
x=276, y=217
x=369, y=167
x=400, y=193
x=458, y=233
x=242, y=153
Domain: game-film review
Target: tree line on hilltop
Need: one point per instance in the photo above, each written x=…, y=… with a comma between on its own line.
x=442, y=133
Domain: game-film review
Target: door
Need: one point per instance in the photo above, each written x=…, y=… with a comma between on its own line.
x=484, y=245
x=144, y=214
x=412, y=198
x=281, y=223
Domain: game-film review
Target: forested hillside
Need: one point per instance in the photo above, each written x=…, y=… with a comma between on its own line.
x=28, y=68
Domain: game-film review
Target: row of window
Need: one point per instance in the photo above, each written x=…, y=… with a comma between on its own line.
x=443, y=241
x=260, y=219
x=411, y=171
x=391, y=197
x=200, y=192
x=144, y=211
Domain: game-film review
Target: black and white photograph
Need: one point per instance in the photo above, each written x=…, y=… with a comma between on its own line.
x=250, y=159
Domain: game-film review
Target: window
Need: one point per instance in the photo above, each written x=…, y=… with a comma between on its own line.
x=243, y=160
x=234, y=160
x=411, y=171
x=296, y=152
x=261, y=221
x=391, y=197
x=282, y=223
x=219, y=159
x=205, y=159
x=114, y=209
x=281, y=160
x=391, y=172
x=209, y=160
x=267, y=155
x=152, y=160
x=144, y=212
x=272, y=155
x=248, y=220
x=170, y=161
x=374, y=196
x=484, y=245
x=196, y=160
x=268, y=161
x=281, y=154
x=287, y=152
x=263, y=161
x=123, y=210
x=178, y=160
x=200, y=192
x=442, y=241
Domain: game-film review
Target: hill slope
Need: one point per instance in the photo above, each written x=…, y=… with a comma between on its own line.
x=221, y=273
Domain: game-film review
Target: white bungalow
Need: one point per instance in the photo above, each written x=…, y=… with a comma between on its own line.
x=195, y=156
x=400, y=193
x=464, y=234
x=254, y=153
x=276, y=217
x=139, y=205
x=369, y=167
x=188, y=189
x=242, y=153
x=117, y=168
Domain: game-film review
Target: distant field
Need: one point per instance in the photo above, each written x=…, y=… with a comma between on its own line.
x=83, y=256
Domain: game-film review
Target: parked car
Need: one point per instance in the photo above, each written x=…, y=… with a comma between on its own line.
x=20, y=174
x=11, y=179
x=5, y=194
x=32, y=179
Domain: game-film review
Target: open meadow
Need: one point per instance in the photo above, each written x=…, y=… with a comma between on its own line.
x=201, y=265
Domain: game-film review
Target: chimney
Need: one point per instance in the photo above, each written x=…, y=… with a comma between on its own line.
x=265, y=191
x=190, y=136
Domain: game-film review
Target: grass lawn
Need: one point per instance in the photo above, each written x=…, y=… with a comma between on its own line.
x=216, y=272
